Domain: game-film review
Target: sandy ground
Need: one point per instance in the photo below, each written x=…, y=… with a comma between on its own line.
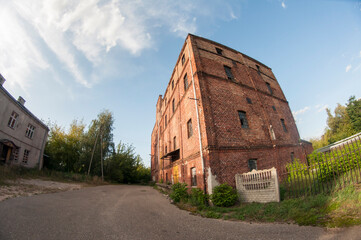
x=29, y=187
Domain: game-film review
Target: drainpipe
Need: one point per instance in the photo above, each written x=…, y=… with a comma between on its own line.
x=198, y=123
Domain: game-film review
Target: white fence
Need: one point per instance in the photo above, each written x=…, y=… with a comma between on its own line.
x=258, y=186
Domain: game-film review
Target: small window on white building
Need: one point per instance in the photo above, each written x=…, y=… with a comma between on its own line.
x=12, y=120
x=30, y=131
x=26, y=156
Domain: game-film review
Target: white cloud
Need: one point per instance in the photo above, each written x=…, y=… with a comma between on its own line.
x=321, y=107
x=301, y=111
x=283, y=4
x=348, y=67
x=75, y=31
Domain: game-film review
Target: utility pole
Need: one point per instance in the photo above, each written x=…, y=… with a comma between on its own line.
x=91, y=159
x=101, y=154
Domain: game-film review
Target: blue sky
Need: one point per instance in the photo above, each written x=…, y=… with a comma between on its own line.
x=73, y=59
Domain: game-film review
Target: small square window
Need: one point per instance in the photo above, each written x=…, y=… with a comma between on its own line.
x=228, y=71
x=189, y=128
x=249, y=101
x=283, y=125
x=183, y=59
x=252, y=164
x=243, y=119
x=219, y=51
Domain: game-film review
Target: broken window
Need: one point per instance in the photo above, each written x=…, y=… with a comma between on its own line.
x=269, y=88
x=26, y=156
x=228, y=73
x=219, y=51
x=243, y=119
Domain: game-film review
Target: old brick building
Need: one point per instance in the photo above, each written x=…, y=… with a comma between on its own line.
x=222, y=113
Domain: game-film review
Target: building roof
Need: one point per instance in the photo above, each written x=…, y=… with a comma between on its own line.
x=27, y=111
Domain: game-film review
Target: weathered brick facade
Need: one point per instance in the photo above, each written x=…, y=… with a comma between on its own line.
x=222, y=86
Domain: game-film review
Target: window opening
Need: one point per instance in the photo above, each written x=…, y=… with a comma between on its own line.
x=283, y=125
x=189, y=128
x=243, y=119
x=252, y=164
x=228, y=72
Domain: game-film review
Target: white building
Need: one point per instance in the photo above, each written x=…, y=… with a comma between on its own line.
x=22, y=134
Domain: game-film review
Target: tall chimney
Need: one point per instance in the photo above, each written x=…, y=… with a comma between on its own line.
x=21, y=100
x=2, y=80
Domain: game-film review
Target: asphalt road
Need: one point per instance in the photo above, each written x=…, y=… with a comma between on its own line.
x=132, y=212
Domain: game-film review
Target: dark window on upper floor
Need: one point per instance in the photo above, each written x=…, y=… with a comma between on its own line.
x=165, y=121
x=12, y=120
x=274, y=108
x=228, y=71
x=172, y=84
x=165, y=150
x=183, y=59
x=249, y=100
x=243, y=119
x=165, y=101
x=185, y=82
x=252, y=164
x=173, y=105
x=283, y=125
x=219, y=51
x=30, y=131
x=258, y=69
x=269, y=88
x=189, y=128
x=174, y=143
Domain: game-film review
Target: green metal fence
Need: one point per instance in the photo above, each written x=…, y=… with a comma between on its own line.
x=332, y=167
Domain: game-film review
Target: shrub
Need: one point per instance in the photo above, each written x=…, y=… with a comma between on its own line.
x=198, y=198
x=224, y=196
x=179, y=192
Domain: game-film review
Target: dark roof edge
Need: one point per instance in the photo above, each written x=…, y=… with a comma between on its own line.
x=23, y=108
x=224, y=46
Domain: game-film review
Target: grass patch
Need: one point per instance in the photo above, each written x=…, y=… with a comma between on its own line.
x=341, y=208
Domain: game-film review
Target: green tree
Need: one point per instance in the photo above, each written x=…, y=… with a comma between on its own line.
x=353, y=110
x=339, y=125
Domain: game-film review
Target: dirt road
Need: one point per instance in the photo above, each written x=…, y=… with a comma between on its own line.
x=132, y=212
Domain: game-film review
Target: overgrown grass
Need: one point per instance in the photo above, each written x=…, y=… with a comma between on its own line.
x=341, y=208
x=14, y=172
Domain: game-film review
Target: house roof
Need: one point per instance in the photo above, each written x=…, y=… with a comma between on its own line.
x=27, y=111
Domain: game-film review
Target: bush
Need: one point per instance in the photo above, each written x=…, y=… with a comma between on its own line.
x=224, y=196
x=198, y=198
x=179, y=192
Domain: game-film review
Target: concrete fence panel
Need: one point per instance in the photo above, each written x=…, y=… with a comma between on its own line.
x=258, y=186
